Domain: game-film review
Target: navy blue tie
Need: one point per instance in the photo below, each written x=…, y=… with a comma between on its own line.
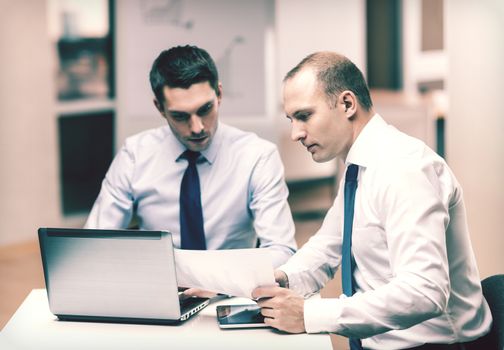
x=347, y=263
x=192, y=233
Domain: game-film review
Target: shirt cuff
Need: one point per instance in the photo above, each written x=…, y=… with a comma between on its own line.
x=321, y=315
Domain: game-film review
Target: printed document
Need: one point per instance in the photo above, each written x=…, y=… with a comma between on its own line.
x=234, y=272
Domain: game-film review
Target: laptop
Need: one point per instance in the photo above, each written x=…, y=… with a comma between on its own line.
x=113, y=276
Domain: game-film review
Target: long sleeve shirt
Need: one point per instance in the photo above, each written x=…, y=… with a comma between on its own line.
x=416, y=276
x=243, y=191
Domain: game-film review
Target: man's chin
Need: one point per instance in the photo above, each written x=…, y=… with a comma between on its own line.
x=198, y=146
x=320, y=158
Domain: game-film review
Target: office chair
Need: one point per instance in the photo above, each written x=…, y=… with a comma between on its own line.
x=493, y=290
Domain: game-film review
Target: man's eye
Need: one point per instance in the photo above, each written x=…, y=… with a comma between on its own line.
x=205, y=109
x=303, y=117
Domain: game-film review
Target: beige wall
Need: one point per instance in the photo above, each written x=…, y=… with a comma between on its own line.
x=28, y=159
x=475, y=124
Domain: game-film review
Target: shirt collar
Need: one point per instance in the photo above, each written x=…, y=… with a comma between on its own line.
x=365, y=148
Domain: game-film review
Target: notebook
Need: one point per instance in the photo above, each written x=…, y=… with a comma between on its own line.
x=113, y=276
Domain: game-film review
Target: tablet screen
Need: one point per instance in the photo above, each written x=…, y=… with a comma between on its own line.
x=240, y=316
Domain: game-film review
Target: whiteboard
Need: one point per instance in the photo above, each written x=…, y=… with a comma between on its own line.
x=232, y=31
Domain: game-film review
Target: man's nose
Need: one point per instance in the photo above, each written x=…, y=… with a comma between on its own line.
x=196, y=124
x=298, y=133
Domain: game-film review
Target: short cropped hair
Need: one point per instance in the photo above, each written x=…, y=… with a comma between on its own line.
x=181, y=67
x=336, y=73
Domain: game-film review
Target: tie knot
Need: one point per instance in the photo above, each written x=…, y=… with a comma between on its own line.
x=351, y=173
x=191, y=156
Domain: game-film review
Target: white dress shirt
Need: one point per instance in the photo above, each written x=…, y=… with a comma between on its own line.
x=243, y=191
x=416, y=276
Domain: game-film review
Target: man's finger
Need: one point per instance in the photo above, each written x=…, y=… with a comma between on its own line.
x=265, y=302
x=265, y=292
x=269, y=321
x=282, y=279
x=267, y=312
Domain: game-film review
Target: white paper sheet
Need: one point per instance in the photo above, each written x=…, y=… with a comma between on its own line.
x=234, y=272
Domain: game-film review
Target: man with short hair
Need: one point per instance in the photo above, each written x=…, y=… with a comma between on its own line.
x=213, y=186
x=397, y=228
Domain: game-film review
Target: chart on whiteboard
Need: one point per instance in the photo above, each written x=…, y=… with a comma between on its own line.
x=233, y=32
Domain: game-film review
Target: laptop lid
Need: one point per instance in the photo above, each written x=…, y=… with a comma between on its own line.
x=112, y=275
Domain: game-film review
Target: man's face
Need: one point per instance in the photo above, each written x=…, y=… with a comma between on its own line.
x=325, y=130
x=192, y=114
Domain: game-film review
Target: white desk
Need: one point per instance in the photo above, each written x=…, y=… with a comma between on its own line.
x=33, y=326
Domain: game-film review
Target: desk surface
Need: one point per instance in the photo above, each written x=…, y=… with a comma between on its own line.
x=33, y=326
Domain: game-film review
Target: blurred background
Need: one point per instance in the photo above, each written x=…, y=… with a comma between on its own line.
x=74, y=84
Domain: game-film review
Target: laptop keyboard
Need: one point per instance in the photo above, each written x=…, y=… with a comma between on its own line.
x=189, y=303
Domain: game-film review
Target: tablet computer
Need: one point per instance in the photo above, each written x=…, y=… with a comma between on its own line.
x=240, y=316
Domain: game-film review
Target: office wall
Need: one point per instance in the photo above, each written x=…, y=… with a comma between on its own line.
x=303, y=27
x=28, y=158
x=475, y=124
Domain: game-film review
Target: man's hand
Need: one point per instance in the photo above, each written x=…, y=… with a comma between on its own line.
x=200, y=293
x=282, y=308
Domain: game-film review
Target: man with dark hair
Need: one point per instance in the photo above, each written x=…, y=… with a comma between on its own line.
x=213, y=186
x=397, y=228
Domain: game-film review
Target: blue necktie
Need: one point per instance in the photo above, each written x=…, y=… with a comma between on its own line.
x=192, y=233
x=347, y=263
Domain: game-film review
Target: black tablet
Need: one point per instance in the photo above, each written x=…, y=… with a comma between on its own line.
x=240, y=316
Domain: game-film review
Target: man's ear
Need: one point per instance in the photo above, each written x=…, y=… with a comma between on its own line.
x=348, y=101
x=159, y=106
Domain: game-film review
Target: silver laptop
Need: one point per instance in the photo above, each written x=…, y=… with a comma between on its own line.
x=113, y=276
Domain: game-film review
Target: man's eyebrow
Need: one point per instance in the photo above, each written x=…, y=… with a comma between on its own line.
x=302, y=113
x=178, y=113
x=172, y=111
